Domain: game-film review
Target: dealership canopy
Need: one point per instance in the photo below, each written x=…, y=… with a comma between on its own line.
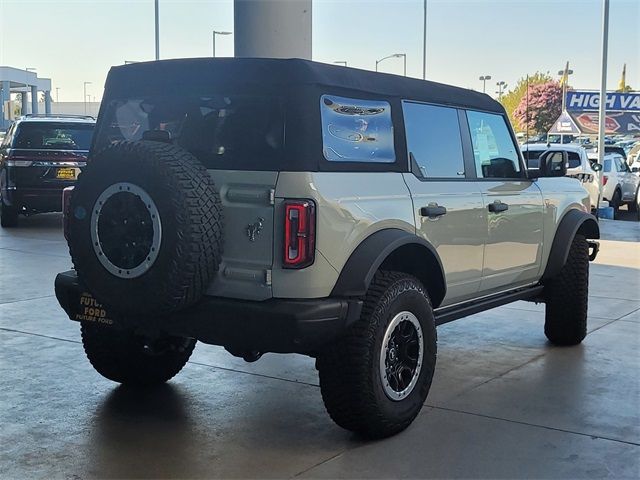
x=581, y=114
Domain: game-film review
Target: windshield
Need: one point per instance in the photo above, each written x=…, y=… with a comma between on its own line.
x=53, y=136
x=235, y=132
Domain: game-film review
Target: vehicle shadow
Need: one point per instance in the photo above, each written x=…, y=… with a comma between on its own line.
x=143, y=433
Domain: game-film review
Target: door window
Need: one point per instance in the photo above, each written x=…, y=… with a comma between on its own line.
x=433, y=140
x=495, y=153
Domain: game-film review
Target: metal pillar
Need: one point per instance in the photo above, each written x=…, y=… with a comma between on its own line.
x=602, y=111
x=272, y=28
x=34, y=99
x=5, y=96
x=25, y=103
x=47, y=102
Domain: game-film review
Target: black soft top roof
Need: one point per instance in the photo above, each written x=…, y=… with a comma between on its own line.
x=280, y=75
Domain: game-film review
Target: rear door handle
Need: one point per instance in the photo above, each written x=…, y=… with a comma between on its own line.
x=498, y=206
x=433, y=211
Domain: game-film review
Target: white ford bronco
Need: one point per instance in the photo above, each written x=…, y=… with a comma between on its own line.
x=289, y=206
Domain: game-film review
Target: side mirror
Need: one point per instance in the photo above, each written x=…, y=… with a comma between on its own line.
x=596, y=167
x=553, y=163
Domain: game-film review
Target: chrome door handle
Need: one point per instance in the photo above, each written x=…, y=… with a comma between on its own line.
x=498, y=206
x=433, y=211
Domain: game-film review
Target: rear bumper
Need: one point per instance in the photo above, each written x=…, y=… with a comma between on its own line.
x=276, y=325
x=35, y=199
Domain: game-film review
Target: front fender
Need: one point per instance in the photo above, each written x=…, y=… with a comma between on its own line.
x=573, y=222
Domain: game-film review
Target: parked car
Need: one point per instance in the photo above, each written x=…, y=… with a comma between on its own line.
x=579, y=166
x=619, y=184
x=394, y=205
x=40, y=156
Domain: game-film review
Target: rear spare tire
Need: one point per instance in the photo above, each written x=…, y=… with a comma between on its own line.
x=145, y=232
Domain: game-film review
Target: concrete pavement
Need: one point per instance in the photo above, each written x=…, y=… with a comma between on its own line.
x=504, y=402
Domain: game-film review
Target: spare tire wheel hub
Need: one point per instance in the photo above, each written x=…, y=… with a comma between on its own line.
x=126, y=231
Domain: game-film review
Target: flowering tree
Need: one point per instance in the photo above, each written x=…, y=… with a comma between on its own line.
x=545, y=106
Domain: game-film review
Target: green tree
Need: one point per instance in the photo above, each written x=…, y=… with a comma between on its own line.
x=512, y=98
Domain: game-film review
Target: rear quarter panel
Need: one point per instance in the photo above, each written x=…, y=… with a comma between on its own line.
x=347, y=212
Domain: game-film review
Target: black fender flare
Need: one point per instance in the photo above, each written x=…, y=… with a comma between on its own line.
x=574, y=221
x=366, y=259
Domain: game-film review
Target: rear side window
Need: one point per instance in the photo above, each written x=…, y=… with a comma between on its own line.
x=574, y=160
x=53, y=136
x=230, y=132
x=356, y=130
x=433, y=140
x=495, y=153
x=532, y=158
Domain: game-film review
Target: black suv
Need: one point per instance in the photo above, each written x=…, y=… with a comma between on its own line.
x=40, y=156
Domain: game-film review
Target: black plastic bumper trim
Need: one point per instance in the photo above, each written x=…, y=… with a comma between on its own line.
x=275, y=325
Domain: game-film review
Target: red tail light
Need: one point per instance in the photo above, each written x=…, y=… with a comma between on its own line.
x=66, y=214
x=605, y=179
x=299, y=233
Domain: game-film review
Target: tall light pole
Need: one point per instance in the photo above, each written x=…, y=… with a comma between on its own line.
x=565, y=79
x=501, y=86
x=602, y=109
x=341, y=62
x=395, y=55
x=215, y=32
x=424, y=40
x=57, y=94
x=85, y=96
x=484, y=79
x=157, y=30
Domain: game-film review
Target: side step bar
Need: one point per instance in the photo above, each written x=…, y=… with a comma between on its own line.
x=449, y=314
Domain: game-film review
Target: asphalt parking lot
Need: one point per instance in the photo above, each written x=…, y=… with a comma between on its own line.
x=504, y=403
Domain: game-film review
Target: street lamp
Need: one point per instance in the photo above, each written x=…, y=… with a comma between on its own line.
x=395, y=55
x=157, y=30
x=484, y=79
x=85, y=96
x=502, y=85
x=564, y=83
x=215, y=32
x=343, y=62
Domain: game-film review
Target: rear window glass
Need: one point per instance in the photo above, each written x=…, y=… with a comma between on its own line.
x=233, y=132
x=53, y=136
x=532, y=158
x=574, y=160
x=356, y=130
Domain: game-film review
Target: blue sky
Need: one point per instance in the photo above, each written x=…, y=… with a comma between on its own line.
x=72, y=41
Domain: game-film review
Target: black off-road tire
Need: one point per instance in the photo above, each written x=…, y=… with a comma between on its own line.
x=190, y=212
x=566, y=297
x=349, y=368
x=121, y=356
x=616, y=200
x=633, y=205
x=8, y=215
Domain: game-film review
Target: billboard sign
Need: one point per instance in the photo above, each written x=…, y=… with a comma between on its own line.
x=623, y=113
x=577, y=100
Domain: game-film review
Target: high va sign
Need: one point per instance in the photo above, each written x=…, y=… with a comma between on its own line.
x=616, y=102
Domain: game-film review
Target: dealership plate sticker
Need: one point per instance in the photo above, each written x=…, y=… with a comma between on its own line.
x=66, y=173
x=89, y=310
